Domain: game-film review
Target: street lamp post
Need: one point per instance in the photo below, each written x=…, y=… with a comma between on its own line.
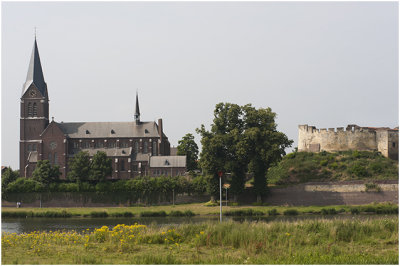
x=220, y=195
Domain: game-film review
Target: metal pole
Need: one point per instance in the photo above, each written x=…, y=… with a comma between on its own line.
x=220, y=199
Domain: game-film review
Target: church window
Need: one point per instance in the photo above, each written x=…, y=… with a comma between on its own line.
x=50, y=157
x=86, y=145
x=55, y=158
x=145, y=147
x=136, y=147
x=76, y=145
x=29, y=109
x=154, y=149
x=124, y=144
x=122, y=165
x=100, y=144
x=34, y=147
x=34, y=109
x=29, y=147
x=111, y=144
x=393, y=144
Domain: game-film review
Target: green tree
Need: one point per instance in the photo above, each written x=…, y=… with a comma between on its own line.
x=264, y=144
x=79, y=166
x=45, y=172
x=7, y=177
x=223, y=148
x=241, y=138
x=100, y=167
x=187, y=146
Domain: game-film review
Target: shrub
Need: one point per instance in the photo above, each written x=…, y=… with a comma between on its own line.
x=273, y=212
x=244, y=212
x=122, y=214
x=328, y=211
x=358, y=170
x=153, y=214
x=291, y=212
x=95, y=214
x=372, y=186
x=355, y=210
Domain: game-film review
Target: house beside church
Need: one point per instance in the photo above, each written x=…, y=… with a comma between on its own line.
x=137, y=148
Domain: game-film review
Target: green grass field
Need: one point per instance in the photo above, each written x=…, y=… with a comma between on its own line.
x=198, y=209
x=354, y=241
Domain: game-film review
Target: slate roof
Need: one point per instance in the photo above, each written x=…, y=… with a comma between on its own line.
x=168, y=161
x=109, y=129
x=35, y=73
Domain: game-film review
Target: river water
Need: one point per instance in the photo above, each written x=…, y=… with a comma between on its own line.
x=27, y=225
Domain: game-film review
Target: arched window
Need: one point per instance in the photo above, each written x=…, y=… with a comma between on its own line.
x=50, y=157
x=154, y=150
x=29, y=109
x=55, y=158
x=34, y=109
x=145, y=147
x=122, y=165
x=136, y=147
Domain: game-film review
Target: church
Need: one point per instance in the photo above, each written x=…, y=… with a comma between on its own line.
x=137, y=148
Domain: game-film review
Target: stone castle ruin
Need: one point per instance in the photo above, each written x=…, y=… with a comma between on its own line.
x=382, y=139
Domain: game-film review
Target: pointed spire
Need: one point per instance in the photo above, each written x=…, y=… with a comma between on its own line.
x=137, y=112
x=35, y=73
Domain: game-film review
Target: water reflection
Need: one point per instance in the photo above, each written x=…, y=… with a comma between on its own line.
x=26, y=225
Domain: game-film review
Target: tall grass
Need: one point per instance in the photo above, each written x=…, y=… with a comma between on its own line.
x=301, y=242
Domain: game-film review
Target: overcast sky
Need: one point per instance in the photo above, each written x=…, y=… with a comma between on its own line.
x=325, y=64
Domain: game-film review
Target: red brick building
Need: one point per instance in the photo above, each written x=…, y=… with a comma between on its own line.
x=132, y=146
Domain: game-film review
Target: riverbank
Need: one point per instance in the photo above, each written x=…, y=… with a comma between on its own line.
x=202, y=209
x=301, y=242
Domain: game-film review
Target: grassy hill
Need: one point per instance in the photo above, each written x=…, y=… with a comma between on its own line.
x=299, y=167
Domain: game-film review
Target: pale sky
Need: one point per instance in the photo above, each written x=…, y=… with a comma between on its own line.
x=326, y=64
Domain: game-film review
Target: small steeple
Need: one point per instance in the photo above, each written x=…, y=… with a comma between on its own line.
x=35, y=73
x=137, y=112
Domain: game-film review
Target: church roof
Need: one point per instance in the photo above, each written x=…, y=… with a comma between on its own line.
x=109, y=129
x=35, y=73
x=168, y=161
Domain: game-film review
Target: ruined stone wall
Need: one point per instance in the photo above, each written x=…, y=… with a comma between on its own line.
x=352, y=138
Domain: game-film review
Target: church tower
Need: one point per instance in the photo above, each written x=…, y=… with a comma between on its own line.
x=34, y=111
x=137, y=112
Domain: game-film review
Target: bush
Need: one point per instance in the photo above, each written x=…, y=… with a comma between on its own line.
x=153, y=214
x=187, y=213
x=358, y=170
x=273, y=212
x=372, y=186
x=244, y=212
x=330, y=211
x=324, y=163
x=122, y=214
x=291, y=212
x=355, y=210
x=95, y=214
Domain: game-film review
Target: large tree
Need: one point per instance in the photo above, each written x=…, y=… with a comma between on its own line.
x=223, y=148
x=45, y=172
x=187, y=146
x=264, y=143
x=100, y=167
x=241, y=138
x=79, y=166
